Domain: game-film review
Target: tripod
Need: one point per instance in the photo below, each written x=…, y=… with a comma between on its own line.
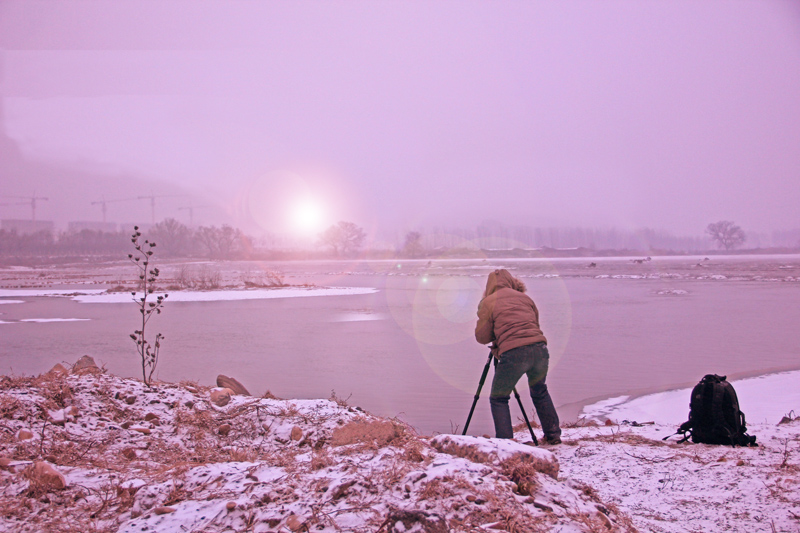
x=478, y=394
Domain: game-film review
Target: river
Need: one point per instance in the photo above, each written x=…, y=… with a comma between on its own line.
x=624, y=326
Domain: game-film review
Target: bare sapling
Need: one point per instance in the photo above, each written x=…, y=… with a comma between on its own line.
x=147, y=282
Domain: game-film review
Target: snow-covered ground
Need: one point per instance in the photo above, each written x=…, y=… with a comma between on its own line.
x=762, y=399
x=171, y=459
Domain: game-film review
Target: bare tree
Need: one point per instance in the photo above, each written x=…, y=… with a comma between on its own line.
x=173, y=237
x=413, y=245
x=344, y=237
x=224, y=242
x=727, y=234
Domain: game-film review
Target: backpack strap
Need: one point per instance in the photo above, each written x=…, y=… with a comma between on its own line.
x=685, y=430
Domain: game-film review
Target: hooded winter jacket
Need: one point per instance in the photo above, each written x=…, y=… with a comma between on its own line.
x=506, y=315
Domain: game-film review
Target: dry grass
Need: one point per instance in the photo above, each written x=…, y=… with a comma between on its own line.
x=523, y=473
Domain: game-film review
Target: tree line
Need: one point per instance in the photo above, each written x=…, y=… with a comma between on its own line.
x=175, y=240
x=347, y=239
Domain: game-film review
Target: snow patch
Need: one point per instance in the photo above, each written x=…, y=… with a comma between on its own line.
x=228, y=295
x=763, y=399
x=42, y=320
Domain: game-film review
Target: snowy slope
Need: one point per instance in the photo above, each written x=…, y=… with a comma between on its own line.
x=171, y=460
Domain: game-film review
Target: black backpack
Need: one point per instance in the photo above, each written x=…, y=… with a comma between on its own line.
x=714, y=415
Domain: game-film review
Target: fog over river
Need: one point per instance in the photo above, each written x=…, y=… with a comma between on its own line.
x=406, y=348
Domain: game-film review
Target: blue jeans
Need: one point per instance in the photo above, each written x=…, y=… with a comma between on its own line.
x=532, y=360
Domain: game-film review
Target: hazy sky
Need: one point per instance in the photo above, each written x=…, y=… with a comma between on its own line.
x=664, y=114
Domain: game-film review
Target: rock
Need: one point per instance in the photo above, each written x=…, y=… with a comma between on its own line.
x=230, y=506
x=380, y=432
x=340, y=490
x=150, y=417
x=47, y=475
x=57, y=370
x=125, y=425
x=229, y=383
x=221, y=397
x=140, y=429
x=189, y=404
x=224, y=429
x=130, y=399
x=164, y=510
x=539, y=505
x=24, y=434
x=5, y=463
x=128, y=453
x=471, y=497
x=191, y=389
x=62, y=416
x=297, y=433
x=85, y=363
x=294, y=523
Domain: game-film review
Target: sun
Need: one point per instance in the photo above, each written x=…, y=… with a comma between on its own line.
x=307, y=216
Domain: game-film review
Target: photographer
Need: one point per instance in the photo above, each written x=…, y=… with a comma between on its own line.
x=508, y=318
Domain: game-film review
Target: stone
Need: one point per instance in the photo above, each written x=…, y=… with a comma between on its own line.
x=47, y=475
x=24, y=434
x=150, y=417
x=297, y=433
x=84, y=363
x=140, y=429
x=230, y=506
x=229, y=383
x=539, y=505
x=125, y=425
x=130, y=400
x=189, y=404
x=5, y=463
x=57, y=370
x=221, y=397
x=128, y=453
x=164, y=510
x=294, y=523
x=224, y=429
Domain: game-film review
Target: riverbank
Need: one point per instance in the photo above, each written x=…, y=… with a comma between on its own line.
x=83, y=450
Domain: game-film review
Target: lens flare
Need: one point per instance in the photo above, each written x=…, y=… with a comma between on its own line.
x=307, y=216
x=436, y=302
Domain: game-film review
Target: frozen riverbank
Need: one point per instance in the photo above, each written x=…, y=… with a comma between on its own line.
x=182, y=456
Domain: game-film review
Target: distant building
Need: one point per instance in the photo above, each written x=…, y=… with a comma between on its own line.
x=80, y=225
x=27, y=227
x=127, y=227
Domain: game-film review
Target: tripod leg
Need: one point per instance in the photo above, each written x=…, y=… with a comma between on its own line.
x=478, y=392
x=525, y=416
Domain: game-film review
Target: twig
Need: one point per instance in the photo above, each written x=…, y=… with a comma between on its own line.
x=650, y=460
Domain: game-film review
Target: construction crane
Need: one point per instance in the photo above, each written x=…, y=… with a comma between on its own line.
x=103, y=203
x=191, y=209
x=32, y=201
x=152, y=199
x=16, y=203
